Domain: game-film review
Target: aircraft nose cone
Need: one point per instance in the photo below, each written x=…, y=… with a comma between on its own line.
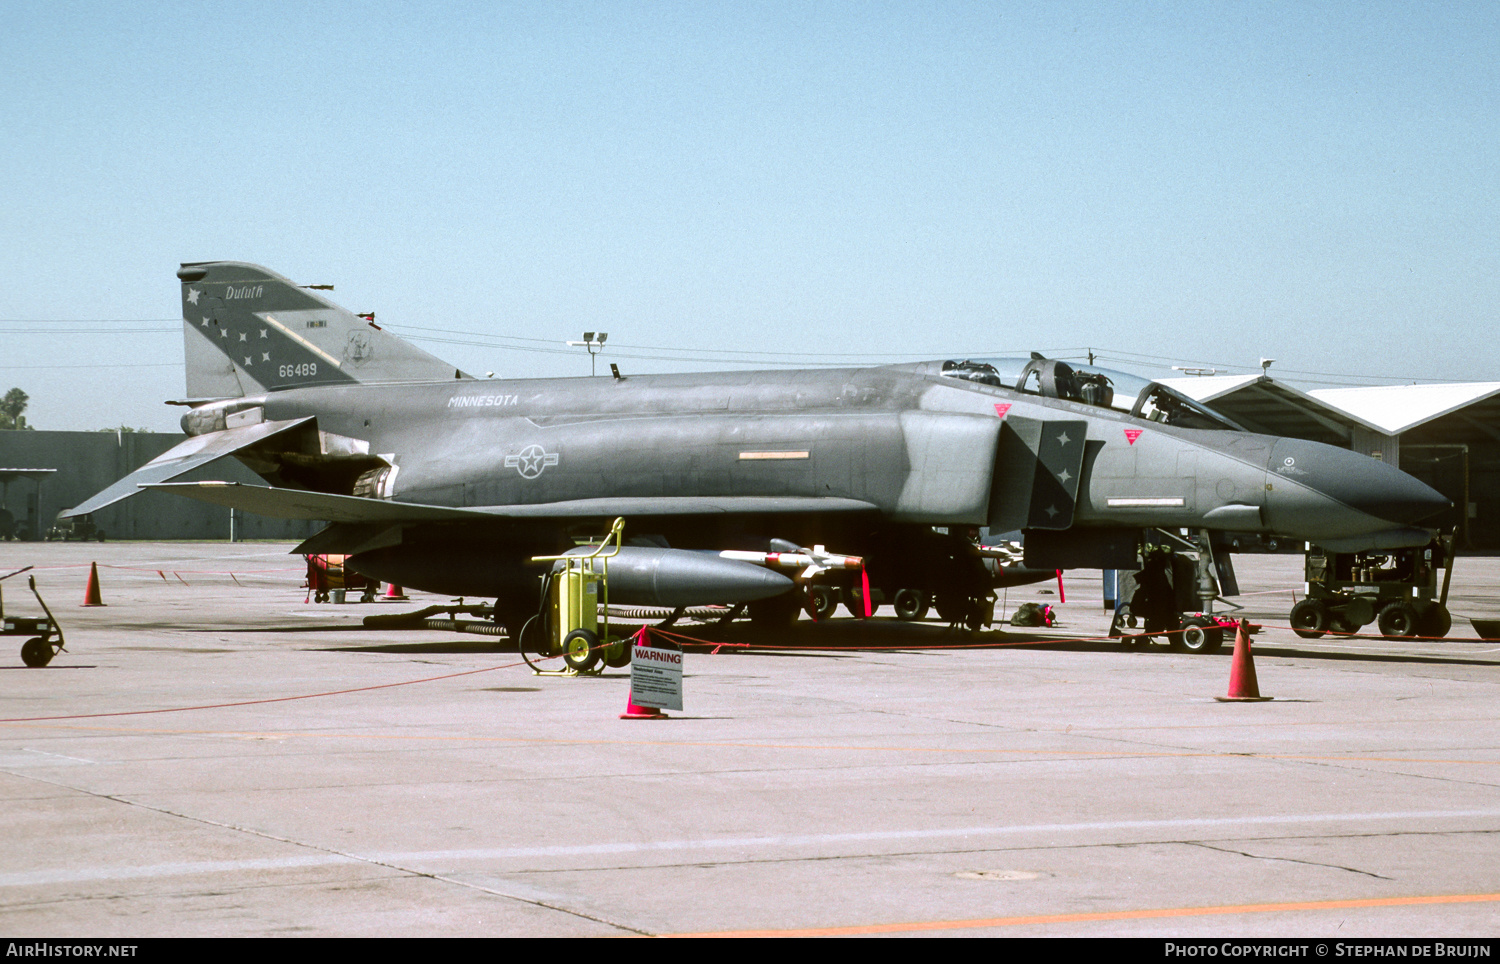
x=1356, y=481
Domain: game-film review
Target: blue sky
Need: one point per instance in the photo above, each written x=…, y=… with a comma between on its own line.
x=857, y=182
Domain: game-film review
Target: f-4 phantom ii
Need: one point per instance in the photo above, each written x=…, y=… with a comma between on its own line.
x=435, y=480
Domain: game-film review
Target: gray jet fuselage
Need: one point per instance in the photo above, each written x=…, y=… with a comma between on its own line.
x=839, y=433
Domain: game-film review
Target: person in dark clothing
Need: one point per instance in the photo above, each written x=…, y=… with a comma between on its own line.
x=1155, y=601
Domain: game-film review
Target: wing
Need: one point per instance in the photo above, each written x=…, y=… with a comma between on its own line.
x=299, y=504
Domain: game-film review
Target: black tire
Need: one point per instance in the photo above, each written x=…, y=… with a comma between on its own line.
x=821, y=602
x=581, y=650
x=1398, y=621
x=617, y=653
x=854, y=602
x=951, y=609
x=778, y=612
x=911, y=604
x=36, y=652
x=1199, y=635
x=1310, y=618
x=1435, y=622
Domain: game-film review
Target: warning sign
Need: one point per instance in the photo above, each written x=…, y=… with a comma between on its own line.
x=656, y=677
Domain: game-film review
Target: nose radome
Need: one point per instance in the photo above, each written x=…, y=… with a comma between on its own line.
x=1357, y=481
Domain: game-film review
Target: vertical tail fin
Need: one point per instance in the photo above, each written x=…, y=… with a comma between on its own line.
x=248, y=330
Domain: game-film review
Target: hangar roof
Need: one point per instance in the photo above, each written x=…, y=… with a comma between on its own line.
x=1398, y=408
x=1262, y=404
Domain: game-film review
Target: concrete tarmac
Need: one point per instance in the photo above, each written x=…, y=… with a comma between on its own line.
x=213, y=756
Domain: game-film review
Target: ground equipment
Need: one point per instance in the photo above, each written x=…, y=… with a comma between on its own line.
x=80, y=528
x=574, y=594
x=1195, y=579
x=1397, y=589
x=46, y=636
x=327, y=575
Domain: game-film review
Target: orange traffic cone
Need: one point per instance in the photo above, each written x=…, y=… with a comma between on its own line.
x=634, y=712
x=1243, y=687
x=393, y=591
x=91, y=592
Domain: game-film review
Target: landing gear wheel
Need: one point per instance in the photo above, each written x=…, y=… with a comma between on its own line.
x=1435, y=622
x=1398, y=621
x=36, y=652
x=911, y=605
x=1199, y=635
x=1310, y=618
x=581, y=650
x=821, y=602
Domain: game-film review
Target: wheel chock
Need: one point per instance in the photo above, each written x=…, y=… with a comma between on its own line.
x=1243, y=687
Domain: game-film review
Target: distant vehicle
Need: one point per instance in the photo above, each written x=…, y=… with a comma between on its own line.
x=74, y=528
x=434, y=480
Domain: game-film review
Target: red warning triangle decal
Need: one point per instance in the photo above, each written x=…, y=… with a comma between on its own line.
x=1131, y=434
x=1001, y=409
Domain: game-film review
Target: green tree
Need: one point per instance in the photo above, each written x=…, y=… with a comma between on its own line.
x=12, y=407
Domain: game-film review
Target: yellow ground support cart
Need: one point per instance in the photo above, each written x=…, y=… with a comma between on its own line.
x=576, y=595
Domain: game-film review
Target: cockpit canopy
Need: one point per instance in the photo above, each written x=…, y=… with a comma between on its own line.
x=1088, y=385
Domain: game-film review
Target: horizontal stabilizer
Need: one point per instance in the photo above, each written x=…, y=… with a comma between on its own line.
x=298, y=504
x=181, y=459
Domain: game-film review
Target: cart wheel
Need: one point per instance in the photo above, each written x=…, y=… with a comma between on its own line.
x=1310, y=618
x=36, y=652
x=581, y=650
x=952, y=608
x=1398, y=621
x=1435, y=622
x=1199, y=635
x=778, y=612
x=821, y=602
x=617, y=653
x=911, y=605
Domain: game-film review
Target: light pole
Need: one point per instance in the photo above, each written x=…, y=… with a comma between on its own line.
x=594, y=343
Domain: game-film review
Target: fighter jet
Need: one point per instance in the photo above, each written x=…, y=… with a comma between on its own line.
x=432, y=479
